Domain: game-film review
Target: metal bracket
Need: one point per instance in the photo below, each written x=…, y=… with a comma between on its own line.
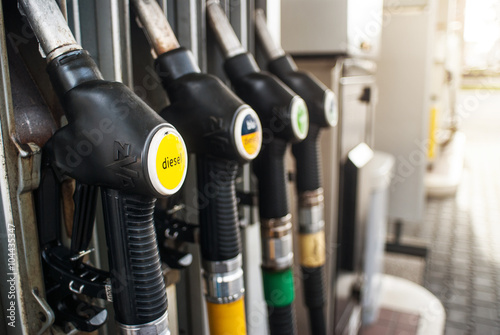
x=48, y=313
x=76, y=276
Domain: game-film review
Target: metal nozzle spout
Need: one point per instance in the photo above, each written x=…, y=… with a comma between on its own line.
x=160, y=34
x=228, y=41
x=272, y=49
x=49, y=26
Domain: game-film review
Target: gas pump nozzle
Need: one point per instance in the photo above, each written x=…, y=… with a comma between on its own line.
x=321, y=101
x=322, y=105
x=224, y=133
x=284, y=119
x=115, y=141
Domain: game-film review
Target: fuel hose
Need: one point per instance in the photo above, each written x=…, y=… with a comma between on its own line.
x=322, y=106
x=115, y=141
x=224, y=133
x=284, y=120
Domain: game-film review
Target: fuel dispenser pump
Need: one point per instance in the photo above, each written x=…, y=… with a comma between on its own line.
x=284, y=119
x=115, y=142
x=224, y=133
x=322, y=105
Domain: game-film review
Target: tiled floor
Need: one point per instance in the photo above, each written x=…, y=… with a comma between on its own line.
x=463, y=267
x=392, y=322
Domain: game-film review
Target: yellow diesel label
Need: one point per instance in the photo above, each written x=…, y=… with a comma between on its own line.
x=248, y=134
x=312, y=249
x=171, y=161
x=251, y=142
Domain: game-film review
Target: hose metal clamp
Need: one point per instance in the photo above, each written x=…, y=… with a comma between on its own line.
x=158, y=326
x=223, y=280
x=311, y=212
x=277, y=243
x=311, y=198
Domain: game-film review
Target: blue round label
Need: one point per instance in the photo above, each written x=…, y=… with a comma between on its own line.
x=250, y=134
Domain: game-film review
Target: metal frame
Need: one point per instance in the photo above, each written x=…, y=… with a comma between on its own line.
x=19, y=176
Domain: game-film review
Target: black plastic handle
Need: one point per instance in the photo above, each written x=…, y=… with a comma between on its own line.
x=138, y=288
x=304, y=84
x=85, y=199
x=218, y=214
x=48, y=205
x=265, y=93
x=269, y=167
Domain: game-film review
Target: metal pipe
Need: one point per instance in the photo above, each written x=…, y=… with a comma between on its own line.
x=158, y=30
x=64, y=8
x=224, y=32
x=272, y=49
x=49, y=26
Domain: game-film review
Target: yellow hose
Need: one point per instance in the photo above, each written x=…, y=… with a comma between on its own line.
x=227, y=319
x=432, y=133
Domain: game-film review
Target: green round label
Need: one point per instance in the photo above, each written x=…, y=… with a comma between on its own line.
x=331, y=109
x=300, y=118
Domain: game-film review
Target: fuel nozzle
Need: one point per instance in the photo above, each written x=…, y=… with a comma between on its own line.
x=284, y=119
x=323, y=113
x=321, y=101
x=115, y=141
x=224, y=133
x=282, y=112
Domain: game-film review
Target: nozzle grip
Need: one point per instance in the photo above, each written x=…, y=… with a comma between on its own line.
x=305, y=85
x=212, y=118
x=269, y=167
x=265, y=93
x=219, y=224
x=174, y=64
x=138, y=288
x=72, y=69
x=308, y=161
x=85, y=199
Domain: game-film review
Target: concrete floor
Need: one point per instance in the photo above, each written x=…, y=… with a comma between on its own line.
x=463, y=232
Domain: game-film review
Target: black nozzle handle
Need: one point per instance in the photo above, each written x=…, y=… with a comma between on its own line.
x=138, y=288
x=308, y=161
x=269, y=167
x=219, y=225
x=282, y=320
x=48, y=205
x=321, y=101
x=72, y=69
x=280, y=109
x=85, y=198
x=175, y=64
